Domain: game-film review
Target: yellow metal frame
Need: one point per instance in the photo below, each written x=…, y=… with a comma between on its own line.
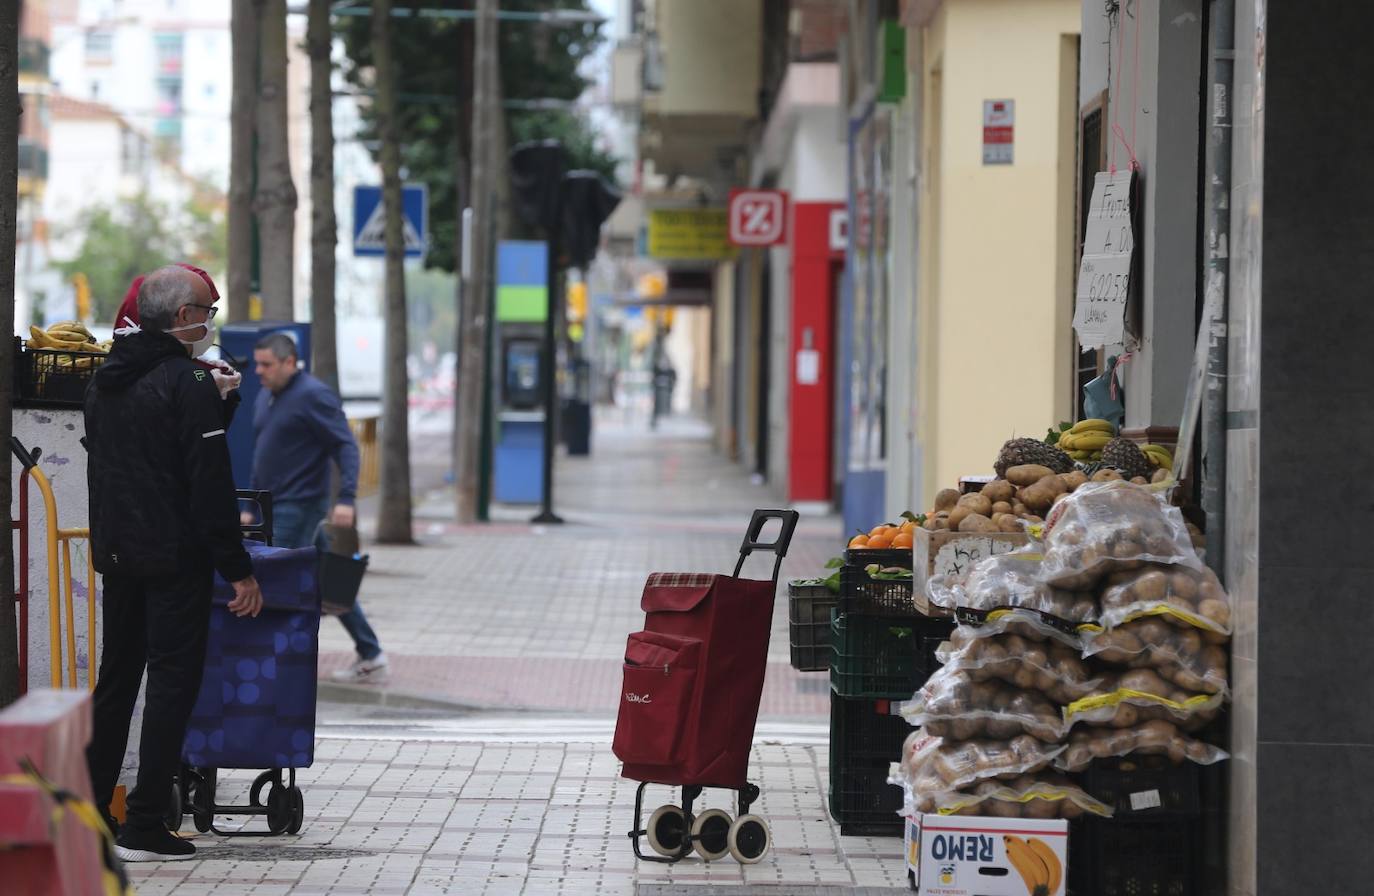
x=61, y=596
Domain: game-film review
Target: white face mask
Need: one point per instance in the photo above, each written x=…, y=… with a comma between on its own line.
x=201, y=345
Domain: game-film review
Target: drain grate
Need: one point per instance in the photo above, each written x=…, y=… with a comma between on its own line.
x=270, y=852
x=765, y=890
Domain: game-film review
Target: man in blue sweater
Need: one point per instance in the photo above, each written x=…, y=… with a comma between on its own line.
x=300, y=427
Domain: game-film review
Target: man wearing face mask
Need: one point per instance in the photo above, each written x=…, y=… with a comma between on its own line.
x=225, y=376
x=164, y=520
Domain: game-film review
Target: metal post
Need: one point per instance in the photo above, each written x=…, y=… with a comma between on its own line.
x=546, y=514
x=1218, y=235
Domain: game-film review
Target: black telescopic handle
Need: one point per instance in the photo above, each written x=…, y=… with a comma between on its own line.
x=778, y=547
x=26, y=457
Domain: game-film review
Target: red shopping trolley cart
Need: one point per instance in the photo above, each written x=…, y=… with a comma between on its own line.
x=693, y=679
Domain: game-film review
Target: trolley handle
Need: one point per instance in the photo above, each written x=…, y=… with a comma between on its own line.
x=778, y=547
x=26, y=457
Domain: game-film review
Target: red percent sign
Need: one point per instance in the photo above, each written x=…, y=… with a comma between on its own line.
x=758, y=217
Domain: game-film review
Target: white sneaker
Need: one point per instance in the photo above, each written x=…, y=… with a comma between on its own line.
x=361, y=671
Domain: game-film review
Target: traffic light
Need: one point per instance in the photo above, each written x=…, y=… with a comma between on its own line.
x=577, y=302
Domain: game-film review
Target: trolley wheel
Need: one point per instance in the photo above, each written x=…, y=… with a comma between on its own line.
x=172, y=816
x=203, y=799
x=666, y=828
x=278, y=809
x=711, y=834
x=749, y=839
x=911, y=880
x=297, y=811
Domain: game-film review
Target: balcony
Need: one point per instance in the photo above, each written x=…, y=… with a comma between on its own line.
x=700, y=82
x=33, y=57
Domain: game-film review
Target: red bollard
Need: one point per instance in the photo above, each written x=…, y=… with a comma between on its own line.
x=40, y=855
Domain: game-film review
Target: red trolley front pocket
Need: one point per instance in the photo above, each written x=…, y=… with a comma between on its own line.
x=660, y=677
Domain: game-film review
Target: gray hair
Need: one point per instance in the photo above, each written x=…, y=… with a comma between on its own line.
x=162, y=294
x=279, y=344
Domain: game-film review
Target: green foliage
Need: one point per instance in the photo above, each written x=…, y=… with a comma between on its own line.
x=133, y=237
x=434, y=94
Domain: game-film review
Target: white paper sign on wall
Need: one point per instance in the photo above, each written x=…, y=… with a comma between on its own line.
x=1104, y=274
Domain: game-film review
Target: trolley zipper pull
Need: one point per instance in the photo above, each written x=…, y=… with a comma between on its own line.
x=665, y=670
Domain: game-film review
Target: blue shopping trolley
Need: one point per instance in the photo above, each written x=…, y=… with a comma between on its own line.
x=256, y=706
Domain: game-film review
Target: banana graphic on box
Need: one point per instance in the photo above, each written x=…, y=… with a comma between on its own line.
x=1037, y=864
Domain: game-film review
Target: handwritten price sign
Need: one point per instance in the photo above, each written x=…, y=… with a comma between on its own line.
x=1104, y=274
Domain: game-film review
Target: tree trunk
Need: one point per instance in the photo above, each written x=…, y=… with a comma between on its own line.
x=274, y=201
x=472, y=350
x=393, y=517
x=323, y=226
x=243, y=28
x=9, y=209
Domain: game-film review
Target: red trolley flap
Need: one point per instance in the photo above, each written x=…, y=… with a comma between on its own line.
x=676, y=592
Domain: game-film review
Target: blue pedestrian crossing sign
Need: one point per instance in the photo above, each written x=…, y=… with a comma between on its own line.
x=369, y=221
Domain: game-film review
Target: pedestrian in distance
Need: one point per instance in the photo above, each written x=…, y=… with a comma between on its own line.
x=164, y=520
x=299, y=426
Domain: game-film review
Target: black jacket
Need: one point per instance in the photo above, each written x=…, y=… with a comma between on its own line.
x=161, y=488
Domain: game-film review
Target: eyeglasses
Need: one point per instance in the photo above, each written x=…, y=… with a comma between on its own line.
x=211, y=309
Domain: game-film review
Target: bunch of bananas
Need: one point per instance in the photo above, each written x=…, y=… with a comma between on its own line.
x=1159, y=456
x=69, y=336
x=1033, y=859
x=1086, y=439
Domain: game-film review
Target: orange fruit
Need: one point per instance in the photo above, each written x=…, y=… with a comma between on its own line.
x=879, y=529
x=903, y=540
x=880, y=541
x=859, y=541
x=908, y=527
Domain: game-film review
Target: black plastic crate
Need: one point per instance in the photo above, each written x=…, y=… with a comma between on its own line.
x=861, y=593
x=882, y=657
x=1135, y=857
x=1145, y=786
x=861, y=557
x=872, y=656
x=865, y=739
x=50, y=378
x=808, y=617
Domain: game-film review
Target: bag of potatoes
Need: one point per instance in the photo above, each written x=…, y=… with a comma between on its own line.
x=1012, y=580
x=943, y=765
x=1180, y=594
x=953, y=706
x=1153, y=738
x=1182, y=655
x=1042, y=796
x=1126, y=699
x=1051, y=668
x=1108, y=527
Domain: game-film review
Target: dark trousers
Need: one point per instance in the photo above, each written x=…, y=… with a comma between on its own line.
x=160, y=624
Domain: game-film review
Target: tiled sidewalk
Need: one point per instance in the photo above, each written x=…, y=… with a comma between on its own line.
x=391, y=817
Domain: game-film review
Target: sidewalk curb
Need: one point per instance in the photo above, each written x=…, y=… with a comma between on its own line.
x=372, y=695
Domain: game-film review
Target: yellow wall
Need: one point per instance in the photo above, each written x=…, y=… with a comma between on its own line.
x=996, y=256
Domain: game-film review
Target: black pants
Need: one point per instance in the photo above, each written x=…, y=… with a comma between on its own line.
x=161, y=624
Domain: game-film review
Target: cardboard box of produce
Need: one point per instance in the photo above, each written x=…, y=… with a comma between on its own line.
x=911, y=828
x=977, y=856
x=946, y=553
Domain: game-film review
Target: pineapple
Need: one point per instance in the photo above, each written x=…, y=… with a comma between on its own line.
x=1031, y=451
x=1126, y=456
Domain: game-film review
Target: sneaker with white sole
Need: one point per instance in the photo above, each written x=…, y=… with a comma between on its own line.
x=156, y=845
x=361, y=671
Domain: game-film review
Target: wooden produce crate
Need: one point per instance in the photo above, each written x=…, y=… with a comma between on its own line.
x=946, y=553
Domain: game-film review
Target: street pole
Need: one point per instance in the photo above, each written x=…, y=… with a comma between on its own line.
x=473, y=357
x=546, y=514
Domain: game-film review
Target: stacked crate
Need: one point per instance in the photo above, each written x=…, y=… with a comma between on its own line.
x=882, y=650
